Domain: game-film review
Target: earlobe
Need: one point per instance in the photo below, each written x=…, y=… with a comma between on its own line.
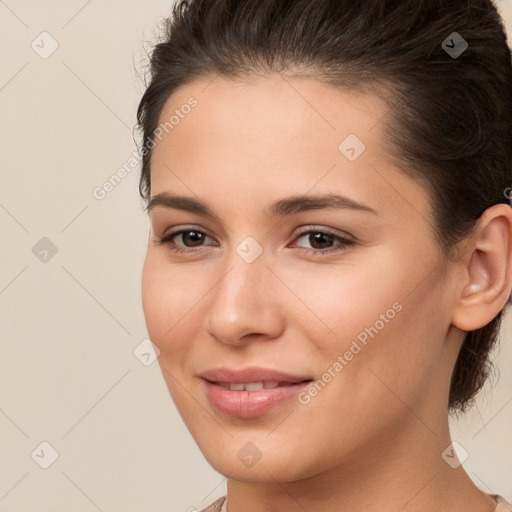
x=487, y=277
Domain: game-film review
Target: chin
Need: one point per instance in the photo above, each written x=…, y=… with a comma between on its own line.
x=242, y=463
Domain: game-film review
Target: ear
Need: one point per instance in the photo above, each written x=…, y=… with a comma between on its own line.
x=486, y=279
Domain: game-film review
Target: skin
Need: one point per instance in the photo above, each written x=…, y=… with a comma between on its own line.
x=372, y=438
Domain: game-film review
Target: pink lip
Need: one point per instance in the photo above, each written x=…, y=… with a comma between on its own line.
x=249, y=404
x=251, y=374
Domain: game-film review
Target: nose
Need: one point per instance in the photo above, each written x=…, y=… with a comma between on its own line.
x=245, y=303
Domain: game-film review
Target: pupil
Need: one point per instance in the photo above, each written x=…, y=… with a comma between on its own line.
x=317, y=237
x=197, y=235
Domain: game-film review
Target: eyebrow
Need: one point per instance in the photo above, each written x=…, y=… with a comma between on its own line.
x=281, y=208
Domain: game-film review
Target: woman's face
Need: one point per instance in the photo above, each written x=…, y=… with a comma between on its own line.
x=350, y=297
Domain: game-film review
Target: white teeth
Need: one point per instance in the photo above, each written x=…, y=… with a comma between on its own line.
x=250, y=386
x=253, y=386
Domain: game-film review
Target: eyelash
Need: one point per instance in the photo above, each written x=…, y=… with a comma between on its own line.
x=345, y=242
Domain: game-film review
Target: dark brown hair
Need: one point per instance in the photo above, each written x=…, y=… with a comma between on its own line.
x=449, y=119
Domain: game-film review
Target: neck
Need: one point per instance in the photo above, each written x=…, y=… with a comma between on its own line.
x=402, y=471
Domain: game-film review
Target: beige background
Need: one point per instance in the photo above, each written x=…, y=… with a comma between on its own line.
x=69, y=325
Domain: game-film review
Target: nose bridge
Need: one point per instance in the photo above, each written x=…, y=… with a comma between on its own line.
x=246, y=266
x=242, y=302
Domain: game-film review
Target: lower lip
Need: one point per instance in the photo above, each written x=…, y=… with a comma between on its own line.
x=250, y=404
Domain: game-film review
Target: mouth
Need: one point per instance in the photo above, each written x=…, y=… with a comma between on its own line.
x=252, y=375
x=248, y=400
x=256, y=386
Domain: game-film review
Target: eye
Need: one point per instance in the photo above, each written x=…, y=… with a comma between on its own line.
x=321, y=241
x=194, y=236
x=192, y=240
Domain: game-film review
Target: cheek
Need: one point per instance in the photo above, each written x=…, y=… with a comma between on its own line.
x=396, y=364
x=168, y=300
x=372, y=331
x=338, y=303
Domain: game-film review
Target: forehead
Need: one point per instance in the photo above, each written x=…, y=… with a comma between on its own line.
x=277, y=135
x=256, y=111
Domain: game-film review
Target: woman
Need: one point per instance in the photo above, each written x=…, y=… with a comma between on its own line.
x=330, y=248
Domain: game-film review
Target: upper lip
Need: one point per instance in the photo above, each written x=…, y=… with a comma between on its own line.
x=251, y=374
